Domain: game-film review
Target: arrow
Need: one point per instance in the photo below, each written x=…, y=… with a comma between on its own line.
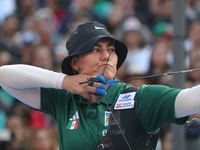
x=111, y=82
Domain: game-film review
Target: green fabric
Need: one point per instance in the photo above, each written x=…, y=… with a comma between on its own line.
x=91, y=123
x=156, y=106
x=64, y=106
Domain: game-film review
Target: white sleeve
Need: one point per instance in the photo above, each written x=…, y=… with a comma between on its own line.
x=24, y=82
x=187, y=102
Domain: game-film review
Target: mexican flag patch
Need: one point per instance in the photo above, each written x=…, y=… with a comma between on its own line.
x=73, y=122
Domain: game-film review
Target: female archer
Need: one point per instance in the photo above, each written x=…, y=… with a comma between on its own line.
x=97, y=115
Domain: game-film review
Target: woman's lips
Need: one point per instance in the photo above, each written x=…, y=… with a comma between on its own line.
x=106, y=65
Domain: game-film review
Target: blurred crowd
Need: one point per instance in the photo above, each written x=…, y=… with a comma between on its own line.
x=34, y=32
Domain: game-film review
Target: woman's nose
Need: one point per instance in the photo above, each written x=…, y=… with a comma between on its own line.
x=105, y=55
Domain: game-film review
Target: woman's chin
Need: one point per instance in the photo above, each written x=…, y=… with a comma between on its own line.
x=108, y=76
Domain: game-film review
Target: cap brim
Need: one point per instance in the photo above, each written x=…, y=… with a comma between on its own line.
x=120, y=49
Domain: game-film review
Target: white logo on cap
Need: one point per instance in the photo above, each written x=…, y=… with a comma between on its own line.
x=98, y=27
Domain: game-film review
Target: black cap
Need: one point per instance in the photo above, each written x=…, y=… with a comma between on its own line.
x=83, y=39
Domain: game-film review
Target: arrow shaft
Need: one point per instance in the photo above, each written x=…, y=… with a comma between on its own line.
x=159, y=75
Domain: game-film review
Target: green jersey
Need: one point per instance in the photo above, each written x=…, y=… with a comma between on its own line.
x=82, y=125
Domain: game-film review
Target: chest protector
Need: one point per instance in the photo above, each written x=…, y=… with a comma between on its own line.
x=125, y=131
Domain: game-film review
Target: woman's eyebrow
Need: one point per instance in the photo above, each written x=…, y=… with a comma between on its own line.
x=111, y=44
x=99, y=45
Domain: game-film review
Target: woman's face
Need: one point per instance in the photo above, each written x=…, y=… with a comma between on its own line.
x=42, y=140
x=194, y=33
x=98, y=60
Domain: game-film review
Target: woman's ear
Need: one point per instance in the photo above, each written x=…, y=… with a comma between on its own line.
x=74, y=63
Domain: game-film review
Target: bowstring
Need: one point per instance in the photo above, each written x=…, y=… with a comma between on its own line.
x=118, y=29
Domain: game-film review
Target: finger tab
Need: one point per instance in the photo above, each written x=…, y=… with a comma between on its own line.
x=102, y=78
x=100, y=91
x=102, y=86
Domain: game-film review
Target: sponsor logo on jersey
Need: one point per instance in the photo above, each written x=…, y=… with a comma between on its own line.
x=116, y=121
x=116, y=131
x=107, y=118
x=119, y=105
x=125, y=101
x=73, y=122
x=126, y=96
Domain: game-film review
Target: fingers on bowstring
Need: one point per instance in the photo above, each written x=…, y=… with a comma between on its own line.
x=97, y=82
x=101, y=78
x=98, y=79
x=100, y=91
x=100, y=88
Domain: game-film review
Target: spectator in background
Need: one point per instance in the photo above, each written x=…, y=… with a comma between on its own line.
x=195, y=75
x=118, y=9
x=192, y=43
x=192, y=10
x=31, y=118
x=76, y=8
x=159, y=11
x=8, y=33
x=139, y=51
x=46, y=25
x=166, y=10
x=19, y=130
x=28, y=42
x=41, y=56
x=59, y=53
x=155, y=13
x=114, y=18
x=158, y=64
x=25, y=9
x=42, y=139
x=22, y=110
x=59, y=8
x=163, y=32
x=5, y=55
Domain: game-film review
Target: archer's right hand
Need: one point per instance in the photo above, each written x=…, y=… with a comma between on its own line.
x=71, y=84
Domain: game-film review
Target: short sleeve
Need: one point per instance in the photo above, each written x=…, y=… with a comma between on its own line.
x=53, y=100
x=155, y=105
